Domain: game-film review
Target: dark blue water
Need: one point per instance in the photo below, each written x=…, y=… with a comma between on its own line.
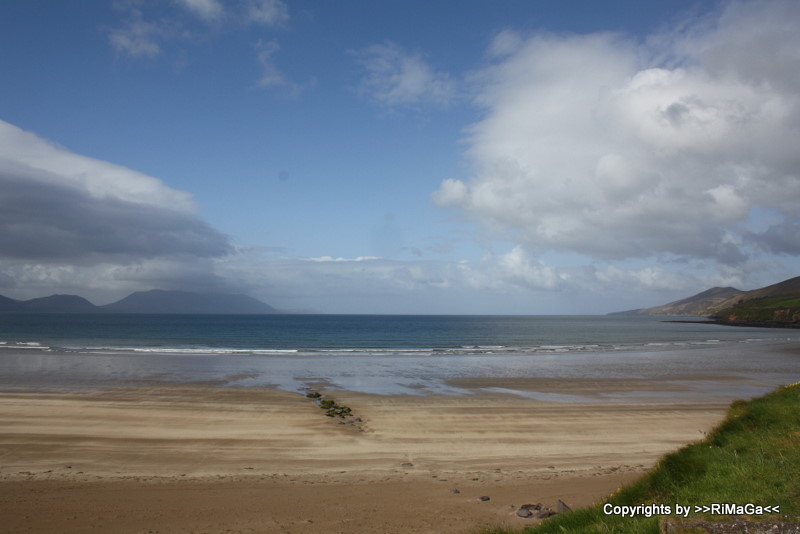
x=395, y=354
x=360, y=333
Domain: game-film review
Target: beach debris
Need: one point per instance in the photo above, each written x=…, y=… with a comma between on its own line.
x=455, y=491
x=537, y=511
x=527, y=510
x=562, y=507
x=484, y=498
x=336, y=410
x=544, y=514
x=538, y=506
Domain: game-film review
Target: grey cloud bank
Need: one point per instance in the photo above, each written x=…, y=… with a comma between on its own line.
x=59, y=206
x=68, y=220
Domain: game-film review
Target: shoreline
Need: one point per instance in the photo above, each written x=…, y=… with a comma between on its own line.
x=162, y=457
x=692, y=373
x=789, y=325
x=130, y=447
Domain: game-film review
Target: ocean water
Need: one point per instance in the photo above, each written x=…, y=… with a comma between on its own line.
x=390, y=354
x=392, y=334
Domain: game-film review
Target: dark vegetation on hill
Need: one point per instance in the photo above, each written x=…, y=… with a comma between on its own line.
x=777, y=305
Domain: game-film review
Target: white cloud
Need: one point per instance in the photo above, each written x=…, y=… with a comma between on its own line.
x=146, y=29
x=394, y=77
x=504, y=43
x=325, y=281
x=518, y=267
x=646, y=278
x=138, y=37
x=590, y=145
x=330, y=258
x=271, y=76
x=266, y=12
x=208, y=10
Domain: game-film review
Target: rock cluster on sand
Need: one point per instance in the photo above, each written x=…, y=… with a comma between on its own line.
x=336, y=410
x=533, y=511
x=538, y=511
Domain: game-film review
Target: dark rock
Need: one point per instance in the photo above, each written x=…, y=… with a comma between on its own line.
x=484, y=498
x=544, y=514
x=524, y=512
x=537, y=506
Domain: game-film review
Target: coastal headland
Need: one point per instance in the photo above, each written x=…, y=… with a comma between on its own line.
x=162, y=458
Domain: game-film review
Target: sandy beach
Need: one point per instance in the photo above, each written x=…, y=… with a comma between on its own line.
x=170, y=458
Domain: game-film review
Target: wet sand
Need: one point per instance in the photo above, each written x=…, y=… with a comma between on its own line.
x=167, y=458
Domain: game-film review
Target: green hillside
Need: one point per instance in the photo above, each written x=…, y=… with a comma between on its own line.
x=775, y=305
x=768, y=311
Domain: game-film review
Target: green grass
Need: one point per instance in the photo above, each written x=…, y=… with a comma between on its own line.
x=753, y=456
x=770, y=309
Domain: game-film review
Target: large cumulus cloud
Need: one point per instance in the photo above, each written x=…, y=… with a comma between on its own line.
x=683, y=145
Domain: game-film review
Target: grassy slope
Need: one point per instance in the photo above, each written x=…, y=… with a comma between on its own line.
x=773, y=305
x=752, y=457
x=769, y=309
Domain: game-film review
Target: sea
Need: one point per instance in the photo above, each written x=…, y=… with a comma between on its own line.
x=394, y=354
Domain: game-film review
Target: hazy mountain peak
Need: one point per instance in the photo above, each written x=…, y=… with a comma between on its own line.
x=174, y=301
x=153, y=301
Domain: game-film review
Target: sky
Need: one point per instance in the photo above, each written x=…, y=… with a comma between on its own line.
x=450, y=156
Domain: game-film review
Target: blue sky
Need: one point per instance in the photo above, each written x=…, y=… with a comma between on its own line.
x=400, y=157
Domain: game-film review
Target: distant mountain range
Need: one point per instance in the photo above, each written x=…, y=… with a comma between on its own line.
x=154, y=301
x=774, y=305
